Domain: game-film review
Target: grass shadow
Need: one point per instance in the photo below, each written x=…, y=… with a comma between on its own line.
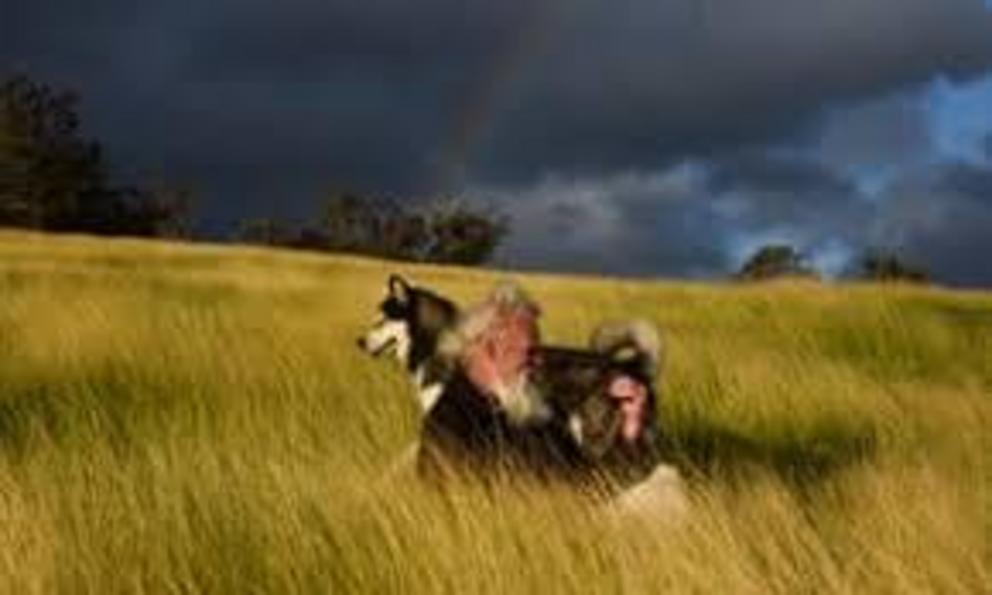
x=105, y=405
x=708, y=450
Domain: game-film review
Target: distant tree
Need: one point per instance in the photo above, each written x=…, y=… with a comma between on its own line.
x=880, y=265
x=265, y=231
x=52, y=178
x=376, y=226
x=449, y=231
x=775, y=261
x=308, y=237
x=463, y=235
x=162, y=211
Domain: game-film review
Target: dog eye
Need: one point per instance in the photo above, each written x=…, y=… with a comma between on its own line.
x=392, y=308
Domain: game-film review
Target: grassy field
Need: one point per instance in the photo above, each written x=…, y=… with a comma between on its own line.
x=197, y=419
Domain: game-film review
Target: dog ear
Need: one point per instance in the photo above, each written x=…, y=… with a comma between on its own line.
x=399, y=288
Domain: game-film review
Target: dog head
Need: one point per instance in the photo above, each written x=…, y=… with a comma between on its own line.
x=410, y=320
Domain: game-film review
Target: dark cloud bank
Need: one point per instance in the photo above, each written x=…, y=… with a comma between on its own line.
x=629, y=136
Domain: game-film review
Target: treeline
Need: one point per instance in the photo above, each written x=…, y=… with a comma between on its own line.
x=52, y=178
x=444, y=231
x=776, y=261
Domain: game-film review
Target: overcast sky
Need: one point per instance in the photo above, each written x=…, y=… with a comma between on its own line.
x=621, y=136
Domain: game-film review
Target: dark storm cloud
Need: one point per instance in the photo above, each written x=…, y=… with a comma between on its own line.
x=582, y=86
x=261, y=105
x=891, y=130
x=635, y=82
x=778, y=174
x=627, y=223
x=318, y=39
x=694, y=219
x=789, y=197
x=687, y=219
x=967, y=180
x=940, y=218
x=937, y=215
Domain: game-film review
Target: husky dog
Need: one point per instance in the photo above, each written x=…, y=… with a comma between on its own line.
x=492, y=396
x=411, y=323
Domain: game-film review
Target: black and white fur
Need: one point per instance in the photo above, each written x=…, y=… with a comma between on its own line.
x=411, y=323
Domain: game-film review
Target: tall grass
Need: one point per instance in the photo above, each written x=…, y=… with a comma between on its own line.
x=196, y=419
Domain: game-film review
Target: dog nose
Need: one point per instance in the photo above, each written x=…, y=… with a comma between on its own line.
x=361, y=343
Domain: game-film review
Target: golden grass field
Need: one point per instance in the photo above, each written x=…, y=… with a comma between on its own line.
x=187, y=419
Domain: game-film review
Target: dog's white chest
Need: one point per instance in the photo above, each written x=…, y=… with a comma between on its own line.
x=428, y=396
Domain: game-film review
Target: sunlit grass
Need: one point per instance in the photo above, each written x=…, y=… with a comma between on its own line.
x=196, y=419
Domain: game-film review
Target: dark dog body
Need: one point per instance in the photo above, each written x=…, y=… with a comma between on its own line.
x=577, y=384
x=465, y=433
